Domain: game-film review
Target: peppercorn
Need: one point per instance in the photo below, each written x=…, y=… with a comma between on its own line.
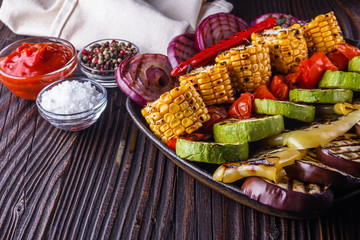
x=106, y=56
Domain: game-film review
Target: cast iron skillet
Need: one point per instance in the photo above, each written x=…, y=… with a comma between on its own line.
x=203, y=172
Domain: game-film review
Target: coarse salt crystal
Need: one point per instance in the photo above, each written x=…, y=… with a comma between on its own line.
x=70, y=97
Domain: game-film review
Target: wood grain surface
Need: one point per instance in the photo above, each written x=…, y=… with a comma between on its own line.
x=110, y=182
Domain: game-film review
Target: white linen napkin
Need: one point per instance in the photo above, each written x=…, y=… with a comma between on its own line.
x=150, y=24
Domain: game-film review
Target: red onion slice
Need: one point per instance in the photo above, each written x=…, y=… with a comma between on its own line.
x=217, y=27
x=181, y=49
x=143, y=78
x=311, y=170
x=290, y=21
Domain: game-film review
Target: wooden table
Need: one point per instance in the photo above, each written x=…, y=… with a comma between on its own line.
x=111, y=182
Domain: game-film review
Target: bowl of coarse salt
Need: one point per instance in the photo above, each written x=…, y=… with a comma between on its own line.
x=72, y=104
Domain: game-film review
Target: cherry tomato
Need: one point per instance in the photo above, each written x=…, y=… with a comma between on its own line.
x=343, y=54
x=310, y=71
x=263, y=92
x=338, y=59
x=348, y=50
x=171, y=143
x=242, y=107
x=278, y=87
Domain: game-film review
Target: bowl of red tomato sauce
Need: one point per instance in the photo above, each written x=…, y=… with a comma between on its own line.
x=29, y=65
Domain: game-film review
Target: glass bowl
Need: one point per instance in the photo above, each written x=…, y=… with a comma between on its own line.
x=104, y=76
x=74, y=121
x=29, y=87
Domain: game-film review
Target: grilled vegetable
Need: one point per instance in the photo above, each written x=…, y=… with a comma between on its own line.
x=323, y=33
x=343, y=53
x=309, y=72
x=287, y=46
x=181, y=48
x=321, y=95
x=343, y=153
x=290, y=20
x=354, y=65
x=176, y=112
x=232, y=41
x=301, y=112
x=144, y=77
x=249, y=66
x=316, y=135
x=210, y=152
x=247, y=130
x=357, y=129
x=289, y=194
x=345, y=108
x=279, y=88
x=242, y=107
x=268, y=165
x=263, y=92
x=217, y=27
x=309, y=169
x=339, y=79
x=212, y=82
x=217, y=114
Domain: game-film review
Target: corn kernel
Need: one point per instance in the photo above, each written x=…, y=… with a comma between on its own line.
x=166, y=98
x=186, y=122
x=169, y=117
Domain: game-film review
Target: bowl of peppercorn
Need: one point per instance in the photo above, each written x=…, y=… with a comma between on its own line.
x=99, y=60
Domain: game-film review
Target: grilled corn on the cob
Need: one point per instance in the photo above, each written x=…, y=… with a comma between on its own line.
x=178, y=111
x=287, y=46
x=212, y=82
x=323, y=33
x=249, y=66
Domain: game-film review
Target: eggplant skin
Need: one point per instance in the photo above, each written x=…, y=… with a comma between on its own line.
x=272, y=195
x=307, y=172
x=335, y=161
x=357, y=129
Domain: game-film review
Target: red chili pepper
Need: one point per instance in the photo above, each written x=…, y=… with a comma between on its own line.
x=278, y=87
x=234, y=40
x=242, y=107
x=263, y=92
x=310, y=71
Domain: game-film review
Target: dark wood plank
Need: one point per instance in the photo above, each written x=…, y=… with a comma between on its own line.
x=111, y=182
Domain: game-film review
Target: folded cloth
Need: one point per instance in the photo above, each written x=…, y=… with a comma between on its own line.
x=150, y=24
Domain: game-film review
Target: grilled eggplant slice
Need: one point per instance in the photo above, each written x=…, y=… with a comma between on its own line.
x=309, y=169
x=289, y=194
x=343, y=153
